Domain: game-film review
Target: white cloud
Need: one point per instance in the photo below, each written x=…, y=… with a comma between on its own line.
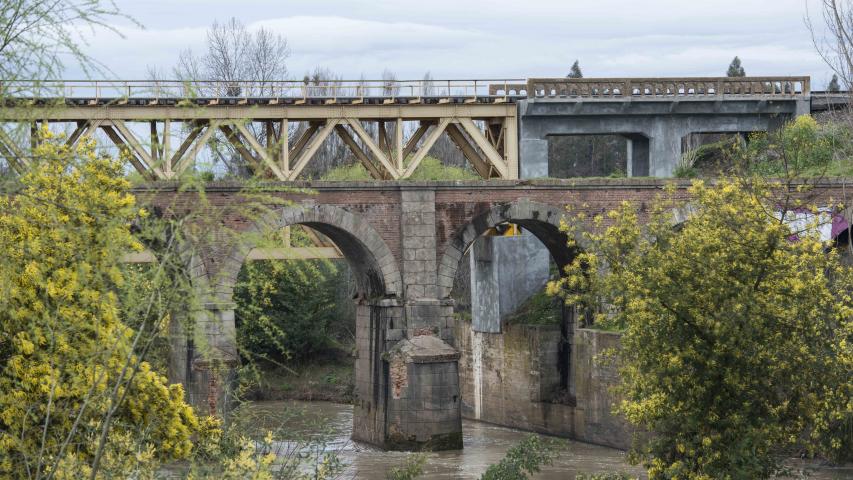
x=476, y=38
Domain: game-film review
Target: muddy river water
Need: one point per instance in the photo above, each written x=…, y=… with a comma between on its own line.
x=485, y=444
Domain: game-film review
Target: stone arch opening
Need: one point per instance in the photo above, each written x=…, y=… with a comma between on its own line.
x=377, y=284
x=549, y=344
x=372, y=262
x=542, y=220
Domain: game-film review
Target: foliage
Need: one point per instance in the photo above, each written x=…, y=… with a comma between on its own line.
x=575, y=72
x=411, y=469
x=686, y=167
x=524, y=459
x=802, y=147
x=234, y=452
x=430, y=168
x=354, y=172
x=605, y=476
x=735, y=68
x=539, y=309
x=293, y=309
x=286, y=308
x=38, y=34
x=76, y=399
x=833, y=86
x=737, y=340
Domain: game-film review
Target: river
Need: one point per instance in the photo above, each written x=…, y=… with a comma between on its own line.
x=485, y=444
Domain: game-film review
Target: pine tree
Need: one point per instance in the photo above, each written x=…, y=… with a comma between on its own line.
x=833, y=85
x=575, y=72
x=735, y=69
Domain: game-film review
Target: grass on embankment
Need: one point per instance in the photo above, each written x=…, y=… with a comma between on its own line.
x=326, y=381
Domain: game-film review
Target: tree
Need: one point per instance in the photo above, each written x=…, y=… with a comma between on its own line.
x=280, y=313
x=37, y=38
x=575, y=72
x=833, y=85
x=242, y=63
x=36, y=35
x=735, y=69
x=737, y=330
x=76, y=398
x=834, y=44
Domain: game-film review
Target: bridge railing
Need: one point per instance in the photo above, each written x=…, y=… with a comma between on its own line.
x=580, y=88
x=97, y=90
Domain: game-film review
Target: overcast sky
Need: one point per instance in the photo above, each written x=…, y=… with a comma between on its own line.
x=485, y=39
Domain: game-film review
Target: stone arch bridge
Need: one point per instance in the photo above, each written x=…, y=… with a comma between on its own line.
x=404, y=241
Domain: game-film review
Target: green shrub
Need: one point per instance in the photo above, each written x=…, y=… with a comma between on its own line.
x=412, y=468
x=605, y=476
x=802, y=147
x=431, y=168
x=347, y=173
x=286, y=309
x=539, y=309
x=526, y=458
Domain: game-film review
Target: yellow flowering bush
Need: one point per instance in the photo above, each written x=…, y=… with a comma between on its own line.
x=736, y=342
x=71, y=384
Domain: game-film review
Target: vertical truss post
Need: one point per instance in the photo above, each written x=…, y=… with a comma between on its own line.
x=34, y=135
x=510, y=149
x=165, y=151
x=382, y=136
x=284, y=153
x=398, y=146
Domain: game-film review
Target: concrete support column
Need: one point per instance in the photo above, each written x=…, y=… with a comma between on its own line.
x=638, y=155
x=804, y=107
x=505, y=272
x=533, y=158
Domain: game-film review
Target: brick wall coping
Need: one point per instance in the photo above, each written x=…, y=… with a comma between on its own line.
x=544, y=184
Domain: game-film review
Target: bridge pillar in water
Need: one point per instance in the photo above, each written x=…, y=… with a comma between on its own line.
x=420, y=378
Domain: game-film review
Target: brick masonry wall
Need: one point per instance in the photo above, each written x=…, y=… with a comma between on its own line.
x=405, y=240
x=456, y=204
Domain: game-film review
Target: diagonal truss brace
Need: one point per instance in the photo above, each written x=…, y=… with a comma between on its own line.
x=14, y=155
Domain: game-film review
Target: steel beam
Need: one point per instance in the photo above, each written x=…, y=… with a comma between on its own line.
x=475, y=111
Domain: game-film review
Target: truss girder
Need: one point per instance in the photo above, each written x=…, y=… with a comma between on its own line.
x=486, y=134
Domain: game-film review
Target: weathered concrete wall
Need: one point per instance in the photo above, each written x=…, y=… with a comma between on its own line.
x=512, y=379
x=594, y=379
x=505, y=272
x=663, y=122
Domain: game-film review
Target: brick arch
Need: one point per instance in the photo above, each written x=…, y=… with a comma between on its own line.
x=372, y=262
x=540, y=219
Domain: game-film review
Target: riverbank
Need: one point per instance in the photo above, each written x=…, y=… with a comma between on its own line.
x=328, y=381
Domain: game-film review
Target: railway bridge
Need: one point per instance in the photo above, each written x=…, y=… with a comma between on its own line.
x=403, y=239
x=503, y=127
